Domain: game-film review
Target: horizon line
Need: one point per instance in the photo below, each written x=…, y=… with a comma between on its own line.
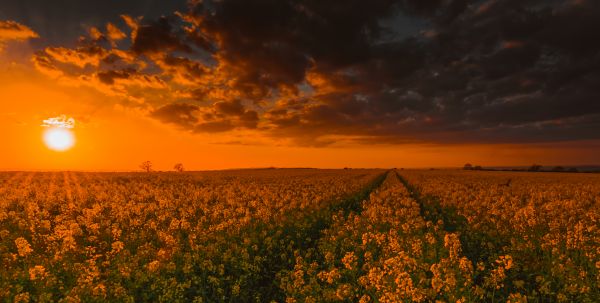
x=296, y=167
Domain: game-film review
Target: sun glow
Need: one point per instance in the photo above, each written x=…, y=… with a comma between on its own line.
x=59, y=139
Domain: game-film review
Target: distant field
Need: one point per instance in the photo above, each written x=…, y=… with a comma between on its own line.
x=300, y=235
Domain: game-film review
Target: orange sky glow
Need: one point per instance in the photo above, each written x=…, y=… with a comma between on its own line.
x=117, y=127
x=110, y=138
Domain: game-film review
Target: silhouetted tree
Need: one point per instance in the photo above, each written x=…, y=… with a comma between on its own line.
x=558, y=168
x=573, y=170
x=468, y=166
x=477, y=167
x=178, y=167
x=535, y=167
x=146, y=166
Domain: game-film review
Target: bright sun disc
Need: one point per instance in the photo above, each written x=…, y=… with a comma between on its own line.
x=59, y=139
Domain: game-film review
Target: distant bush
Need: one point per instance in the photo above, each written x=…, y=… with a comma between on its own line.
x=146, y=166
x=178, y=167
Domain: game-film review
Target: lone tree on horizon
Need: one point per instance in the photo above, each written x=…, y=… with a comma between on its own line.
x=146, y=166
x=468, y=166
x=178, y=167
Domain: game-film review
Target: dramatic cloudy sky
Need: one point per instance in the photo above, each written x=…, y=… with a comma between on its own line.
x=310, y=82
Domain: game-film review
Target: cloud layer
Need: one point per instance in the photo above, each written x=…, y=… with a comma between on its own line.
x=320, y=72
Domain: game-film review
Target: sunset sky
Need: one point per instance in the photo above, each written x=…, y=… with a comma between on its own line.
x=299, y=83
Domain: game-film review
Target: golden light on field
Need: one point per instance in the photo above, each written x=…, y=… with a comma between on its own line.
x=59, y=139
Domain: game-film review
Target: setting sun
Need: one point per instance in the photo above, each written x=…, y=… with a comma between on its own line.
x=59, y=139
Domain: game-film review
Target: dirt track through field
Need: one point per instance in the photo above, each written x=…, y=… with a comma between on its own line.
x=473, y=244
x=300, y=237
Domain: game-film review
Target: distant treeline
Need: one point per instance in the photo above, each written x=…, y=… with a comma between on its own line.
x=534, y=168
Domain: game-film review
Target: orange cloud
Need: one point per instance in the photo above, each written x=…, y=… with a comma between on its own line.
x=114, y=33
x=79, y=57
x=13, y=31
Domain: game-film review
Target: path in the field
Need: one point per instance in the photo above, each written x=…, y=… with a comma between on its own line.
x=299, y=233
x=432, y=211
x=389, y=214
x=474, y=243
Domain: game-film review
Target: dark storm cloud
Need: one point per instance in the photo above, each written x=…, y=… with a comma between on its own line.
x=372, y=71
x=109, y=77
x=157, y=36
x=479, y=66
x=63, y=21
x=180, y=114
x=275, y=42
x=221, y=117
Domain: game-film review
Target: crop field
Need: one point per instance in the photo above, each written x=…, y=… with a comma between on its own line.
x=300, y=235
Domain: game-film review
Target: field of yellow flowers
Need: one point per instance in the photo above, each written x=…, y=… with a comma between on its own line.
x=457, y=236
x=300, y=235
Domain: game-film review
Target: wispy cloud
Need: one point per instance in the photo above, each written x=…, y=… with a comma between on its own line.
x=61, y=121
